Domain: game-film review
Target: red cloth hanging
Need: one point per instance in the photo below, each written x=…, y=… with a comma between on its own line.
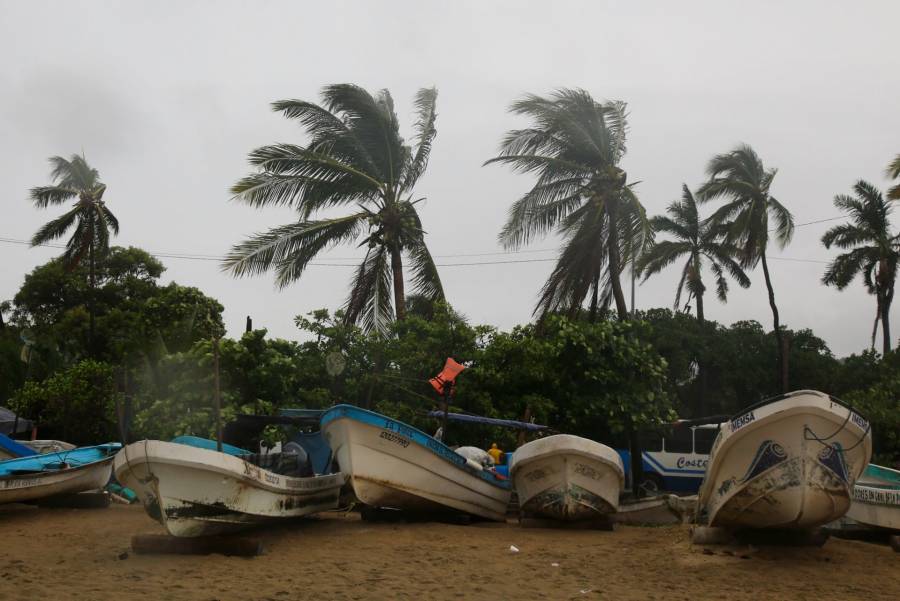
x=447, y=376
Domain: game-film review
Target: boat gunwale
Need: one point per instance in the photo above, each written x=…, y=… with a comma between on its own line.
x=238, y=472
x=65, y=470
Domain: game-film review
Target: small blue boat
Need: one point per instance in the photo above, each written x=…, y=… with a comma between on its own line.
x=65, y=472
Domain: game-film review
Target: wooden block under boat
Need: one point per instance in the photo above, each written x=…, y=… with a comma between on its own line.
x=205, y=545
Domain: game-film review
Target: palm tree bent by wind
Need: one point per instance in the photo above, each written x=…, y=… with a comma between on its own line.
x=697, y=240
x=355, y=157
x=893, y=172
x=874, y=251
x=91, y=218
x=574, y=147
x=740, y=178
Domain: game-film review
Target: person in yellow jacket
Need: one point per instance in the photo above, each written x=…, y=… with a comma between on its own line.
x=495, y=453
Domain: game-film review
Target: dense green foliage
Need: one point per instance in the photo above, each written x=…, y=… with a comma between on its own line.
x=77, y=404
x=594, y=378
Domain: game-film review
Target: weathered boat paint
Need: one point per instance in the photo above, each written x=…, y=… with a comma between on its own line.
x=88, y=468
x=393, y=465
x=876, y=498
x=198, y=492
x=788, y=463
x=567, y=478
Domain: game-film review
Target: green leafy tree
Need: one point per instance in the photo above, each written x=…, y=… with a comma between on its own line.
x=138, y=320
x=874, y=250
x=742, y=181
x=575, y=146
x=697, y=240
x=77, y=405
x=74, y=179
x=355, y=157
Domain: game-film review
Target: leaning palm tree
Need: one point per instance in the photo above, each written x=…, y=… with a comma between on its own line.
x=698, y=241
x=874, y=251
x=741, y=179
x=893, y=172
x=91, y=218
x=574, y=147
x=355, y=157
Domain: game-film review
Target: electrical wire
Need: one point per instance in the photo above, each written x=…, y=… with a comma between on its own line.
x=319, y=263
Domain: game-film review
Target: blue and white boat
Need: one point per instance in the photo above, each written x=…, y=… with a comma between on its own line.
x=62, y=473
x=393, y=465
x=788, y=462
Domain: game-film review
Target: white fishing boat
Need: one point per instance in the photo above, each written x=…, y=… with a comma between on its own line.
x=788, y=462
x=567, y=477
x=876, y=498
x=196, y=491
x=42, y=476
x=393, y=465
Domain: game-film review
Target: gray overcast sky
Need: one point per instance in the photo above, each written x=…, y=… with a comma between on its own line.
x=167, y=98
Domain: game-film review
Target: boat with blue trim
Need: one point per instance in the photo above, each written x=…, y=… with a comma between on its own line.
x=788, y=462
x=391, y=464
x=35, y=477
x=193, y=489
x=876, y=499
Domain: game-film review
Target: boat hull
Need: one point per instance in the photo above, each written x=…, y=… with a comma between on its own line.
x=876, y=499
x=40, y=485
x=392, y=465
x=198, y=492
x=567, y=478
x=790, y=463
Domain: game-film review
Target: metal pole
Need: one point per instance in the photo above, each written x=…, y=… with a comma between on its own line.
x=218, y=396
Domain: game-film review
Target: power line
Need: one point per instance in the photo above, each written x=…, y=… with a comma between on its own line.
x=325, y=261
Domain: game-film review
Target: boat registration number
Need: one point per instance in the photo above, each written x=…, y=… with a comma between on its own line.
x=876, y=496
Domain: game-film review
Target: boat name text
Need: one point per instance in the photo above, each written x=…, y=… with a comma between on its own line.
x=739, y=422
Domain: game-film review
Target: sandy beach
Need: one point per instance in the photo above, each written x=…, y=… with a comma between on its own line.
x=59, y=554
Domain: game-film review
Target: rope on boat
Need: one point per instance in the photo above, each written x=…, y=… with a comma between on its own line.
x=810, y=435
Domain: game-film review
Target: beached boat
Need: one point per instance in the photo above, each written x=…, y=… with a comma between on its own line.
x=68, y=472
x=787, y=462
x=876, y=498
x=567, y=477
x=196, y=491
x=393, y=465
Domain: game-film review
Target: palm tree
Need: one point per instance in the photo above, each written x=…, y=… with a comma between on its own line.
x=698, y=240
x=741, y=179
x=893, y=172
x=355, y=157
x=874, y=251
x=76, y=179
x=574, y=147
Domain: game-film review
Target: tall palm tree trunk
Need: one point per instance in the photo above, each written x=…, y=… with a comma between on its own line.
x=93, y=283
x=614, y=267
x=592, y=313
x=885, y=322
x=399, y=292
x=700, y=410
x=779, y=339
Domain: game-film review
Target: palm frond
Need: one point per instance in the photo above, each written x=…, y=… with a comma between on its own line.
x=56, y=228
x=426, y=108
x=288, y=249
x=44, y=196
